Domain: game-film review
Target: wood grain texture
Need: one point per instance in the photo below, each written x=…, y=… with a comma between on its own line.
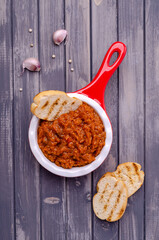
x=34, y=203
x=53, y=193
x=78, y=49
x=131, y=110
x=152, y=121
x=104, y=33
x=27, y=195
x=6, y=125
x=78, y=46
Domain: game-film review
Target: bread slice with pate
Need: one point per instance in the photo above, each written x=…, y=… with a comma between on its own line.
x=110, y=201
x=49, y=105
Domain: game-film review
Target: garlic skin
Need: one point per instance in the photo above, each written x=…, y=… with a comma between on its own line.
x=59, y=36
x=32, y=64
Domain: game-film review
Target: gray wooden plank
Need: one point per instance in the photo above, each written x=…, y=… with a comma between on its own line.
x=104, y=33
x=152, y=121
x=78, y=49
x=131, y=110
x=52, y=77
x=78, y=46
x=27, y=194
x=6, y=124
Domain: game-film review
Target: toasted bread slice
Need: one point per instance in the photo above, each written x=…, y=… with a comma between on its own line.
x=132, y=176
x=49, y=105
x=110, y=201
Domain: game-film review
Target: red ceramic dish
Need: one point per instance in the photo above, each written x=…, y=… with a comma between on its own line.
x=96, y=88
x=92, y=94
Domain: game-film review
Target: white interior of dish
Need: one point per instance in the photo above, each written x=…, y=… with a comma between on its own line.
x=75, y=171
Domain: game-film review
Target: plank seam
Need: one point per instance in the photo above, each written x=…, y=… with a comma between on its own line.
x=117, y=22
x=13, y=153
x=144, y=103
x=66, y=207
x=64, y=59
x=65, y=88
x=40, y=185
x=90, y=15
x=38, y=22
x=92, y=185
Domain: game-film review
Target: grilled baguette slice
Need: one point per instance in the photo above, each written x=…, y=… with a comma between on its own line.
x=130, y=173
x=49, y=105
x=110, y=201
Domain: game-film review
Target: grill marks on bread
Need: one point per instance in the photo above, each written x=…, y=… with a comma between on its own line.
x=114, y=188
x=115, y=205
x=49, y=105
x=136, y=170
x=126, y=176
x=132, y=176
x=53, y=106
x=60, y=109
x=45, y=104
x=110, y=199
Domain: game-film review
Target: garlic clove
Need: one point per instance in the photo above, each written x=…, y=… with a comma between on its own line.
x=59, y=36
x=32, y=64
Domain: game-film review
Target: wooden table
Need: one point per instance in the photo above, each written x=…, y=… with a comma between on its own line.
x=35, y=204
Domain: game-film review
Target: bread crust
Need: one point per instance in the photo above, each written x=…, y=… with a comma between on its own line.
x=110, y=201
x=47, y=93
x=131, y=174
x=48, y=105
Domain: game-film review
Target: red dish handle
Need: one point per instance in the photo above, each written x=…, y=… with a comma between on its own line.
x=96, y=88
